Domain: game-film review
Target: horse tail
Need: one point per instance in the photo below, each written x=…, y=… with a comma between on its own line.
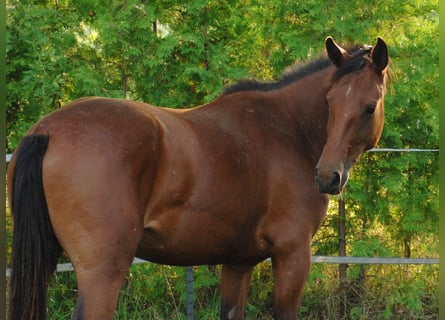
x=35, y=248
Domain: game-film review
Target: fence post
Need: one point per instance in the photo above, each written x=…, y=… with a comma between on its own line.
x=189, y=279
x=342, y=267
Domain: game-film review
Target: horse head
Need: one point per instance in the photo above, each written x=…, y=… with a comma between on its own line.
x=356, y=112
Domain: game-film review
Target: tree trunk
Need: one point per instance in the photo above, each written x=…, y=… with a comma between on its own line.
x=124, y=80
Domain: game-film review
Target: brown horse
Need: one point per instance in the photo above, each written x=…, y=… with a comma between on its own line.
x=233, y=182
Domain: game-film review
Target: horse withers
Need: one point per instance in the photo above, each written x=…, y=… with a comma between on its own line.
x=232, y=182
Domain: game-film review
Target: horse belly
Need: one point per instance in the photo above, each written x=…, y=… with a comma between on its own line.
x=195, y=239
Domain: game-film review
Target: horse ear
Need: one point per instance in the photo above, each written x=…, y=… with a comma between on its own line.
x=337, y=54
x=379, y=55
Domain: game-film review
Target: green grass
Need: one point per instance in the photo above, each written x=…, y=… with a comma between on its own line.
x=158, y=292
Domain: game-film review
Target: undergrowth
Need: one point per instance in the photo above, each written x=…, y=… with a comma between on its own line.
x=152, y=291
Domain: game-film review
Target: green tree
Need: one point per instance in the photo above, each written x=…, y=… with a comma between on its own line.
x=35, y=62
x=180, y=54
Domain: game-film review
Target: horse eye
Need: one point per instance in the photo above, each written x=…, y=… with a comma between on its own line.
x=370, y=108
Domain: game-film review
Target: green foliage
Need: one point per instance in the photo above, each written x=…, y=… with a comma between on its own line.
x=154, y=292
x=181, y=54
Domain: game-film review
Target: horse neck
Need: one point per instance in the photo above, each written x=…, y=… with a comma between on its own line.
x=305, y=100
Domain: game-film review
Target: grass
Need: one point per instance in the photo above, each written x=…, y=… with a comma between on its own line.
x=158, y=292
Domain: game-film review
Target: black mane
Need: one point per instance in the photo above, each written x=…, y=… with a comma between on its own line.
x=299, y=71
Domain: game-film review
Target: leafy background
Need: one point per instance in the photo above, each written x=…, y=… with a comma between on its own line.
x=181, y=54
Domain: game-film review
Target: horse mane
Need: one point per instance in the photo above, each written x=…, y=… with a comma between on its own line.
x=299, y=71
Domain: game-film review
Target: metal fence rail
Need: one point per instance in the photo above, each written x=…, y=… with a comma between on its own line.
x=63, y=267
x=373, y=260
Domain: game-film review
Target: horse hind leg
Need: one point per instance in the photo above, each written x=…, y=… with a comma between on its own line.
x=101, y=252
x=98, y=289
x=101, y=262
x=99, y=226
x=235, y=281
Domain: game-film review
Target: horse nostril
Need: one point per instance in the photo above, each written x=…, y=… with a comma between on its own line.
x=336, y=179
x=330, y=183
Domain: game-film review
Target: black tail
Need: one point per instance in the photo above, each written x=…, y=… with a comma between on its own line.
x=35, y=248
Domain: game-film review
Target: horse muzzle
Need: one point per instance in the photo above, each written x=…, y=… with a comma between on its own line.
x=332, y=181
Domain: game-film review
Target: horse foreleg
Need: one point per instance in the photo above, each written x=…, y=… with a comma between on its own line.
x=235, y=282
x=290, y=273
